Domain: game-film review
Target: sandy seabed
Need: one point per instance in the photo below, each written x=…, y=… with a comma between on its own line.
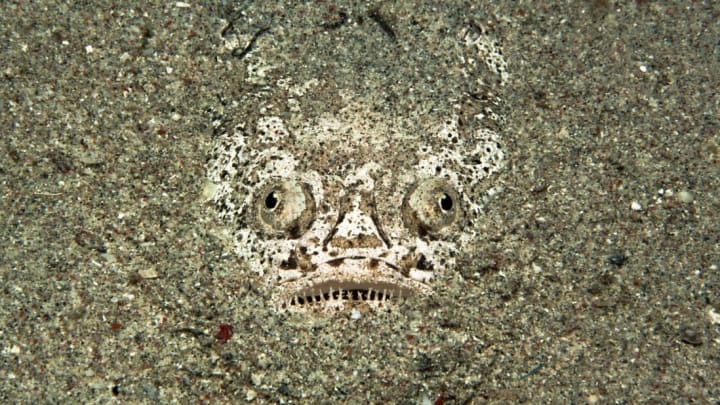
x=600, y=282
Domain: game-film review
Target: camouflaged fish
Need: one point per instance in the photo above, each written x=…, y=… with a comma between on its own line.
x=353, y=168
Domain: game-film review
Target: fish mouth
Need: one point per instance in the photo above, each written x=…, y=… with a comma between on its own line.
x=348, y=282
x=337, y=294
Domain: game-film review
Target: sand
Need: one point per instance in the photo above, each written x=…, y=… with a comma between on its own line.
x=599, y=281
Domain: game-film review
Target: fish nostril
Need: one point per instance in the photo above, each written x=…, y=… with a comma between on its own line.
x=299, y=259
x=290, y=263
x=423, y=264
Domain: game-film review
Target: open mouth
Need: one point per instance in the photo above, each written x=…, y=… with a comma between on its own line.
x=351, y=281
x=336, y=294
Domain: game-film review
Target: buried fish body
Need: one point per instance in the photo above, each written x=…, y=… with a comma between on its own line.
x=339, y=192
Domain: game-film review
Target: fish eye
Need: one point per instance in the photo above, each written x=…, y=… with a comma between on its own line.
x=446, y=202
x=271, y=201
x=285, y=206
x=431, y=206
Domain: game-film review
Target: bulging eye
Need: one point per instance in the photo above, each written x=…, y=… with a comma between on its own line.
x=286, y=206
x=431, y=206
x=446, y=202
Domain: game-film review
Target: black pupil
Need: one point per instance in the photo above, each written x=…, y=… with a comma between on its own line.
x=446, y=203
x=271, y=201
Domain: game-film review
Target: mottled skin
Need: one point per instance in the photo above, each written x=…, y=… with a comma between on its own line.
x=341, y=199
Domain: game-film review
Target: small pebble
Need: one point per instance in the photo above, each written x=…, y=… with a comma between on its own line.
x=714, y=316
x=635, y=206
x=691, y=336
x=256, y=378
x=685, y=196
x=617, y=259
x=148, y=273
x=208, y=191
x=14, y=349
x=264, y=361
x=537, y=269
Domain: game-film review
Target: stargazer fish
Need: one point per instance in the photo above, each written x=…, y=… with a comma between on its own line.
x=354, y=166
